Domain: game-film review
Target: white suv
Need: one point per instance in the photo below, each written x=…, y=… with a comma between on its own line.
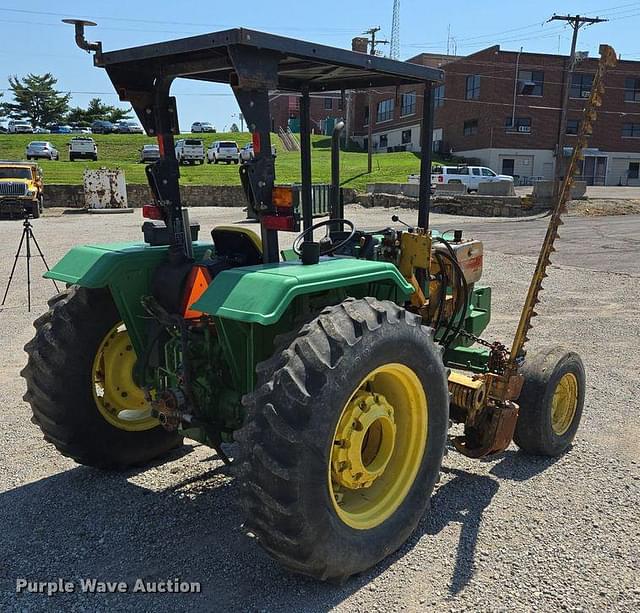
x=223, y=151
x=19, y=127
x=202, y=126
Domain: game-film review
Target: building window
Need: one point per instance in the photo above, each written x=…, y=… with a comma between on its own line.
x=472, y=90
x=385, y=110
x=631, y=129
x=470, y=127
x=580, y=85
x=573, y=127
x=530, y=82
x=328, y=104
x=384, y=141
x=408, y=103
x=632, y=90
x=634, y=170
x=366, y=115
x=438, y=96
x=294, y=103
x=518, y=124
x=406, y=136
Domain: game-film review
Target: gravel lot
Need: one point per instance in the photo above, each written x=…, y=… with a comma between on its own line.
x=509, y=534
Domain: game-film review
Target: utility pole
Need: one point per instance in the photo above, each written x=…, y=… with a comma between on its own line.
x=576, y=22
x=372, y=51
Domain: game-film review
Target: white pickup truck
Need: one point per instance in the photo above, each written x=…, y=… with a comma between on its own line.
x=471, y=176
x=82, y=147
x=190, y=151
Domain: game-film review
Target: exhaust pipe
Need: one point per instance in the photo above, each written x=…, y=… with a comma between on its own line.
x=336, y=204
x=81, y=41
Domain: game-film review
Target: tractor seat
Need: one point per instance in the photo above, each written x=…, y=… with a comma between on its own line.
x=237, y=244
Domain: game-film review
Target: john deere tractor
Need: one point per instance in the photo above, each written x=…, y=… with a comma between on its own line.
x=337, y=367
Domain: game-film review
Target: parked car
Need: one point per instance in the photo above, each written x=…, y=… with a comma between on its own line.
x=190, y=151
x=39, y=130
x=149, y=153
x=60, y=129
x=223, y=151
x=41, y=149
x=82, y=147
x=80, y=130
x=17, y=126
x=246, y=153
x=100, y=126
x=202, y=126
x=470, y=176
x=128, y=127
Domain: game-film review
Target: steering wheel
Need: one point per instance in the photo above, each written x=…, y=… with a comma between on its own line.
x=326, y=239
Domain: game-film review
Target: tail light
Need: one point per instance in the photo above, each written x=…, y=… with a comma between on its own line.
x=151, y=211
x=285, y=223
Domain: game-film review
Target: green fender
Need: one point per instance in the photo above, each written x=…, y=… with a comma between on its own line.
x=261, y=294
x=125, y=268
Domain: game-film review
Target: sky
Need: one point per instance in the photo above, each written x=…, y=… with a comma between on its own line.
x=33, y=39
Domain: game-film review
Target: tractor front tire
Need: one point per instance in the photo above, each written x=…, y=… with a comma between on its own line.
x=344, y=438
x=551, y=402
x=61, y=390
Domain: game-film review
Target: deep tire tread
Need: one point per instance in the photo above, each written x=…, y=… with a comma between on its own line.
x=58, y=385
x=273, y=443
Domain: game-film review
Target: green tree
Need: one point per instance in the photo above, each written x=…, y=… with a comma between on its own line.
x=116, y=114
x=96, y=109
x=36, y=99
x=234, y=128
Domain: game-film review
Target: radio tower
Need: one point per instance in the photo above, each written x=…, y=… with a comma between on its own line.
x=395, y=31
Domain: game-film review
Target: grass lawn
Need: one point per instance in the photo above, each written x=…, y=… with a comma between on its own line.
x=121, y=151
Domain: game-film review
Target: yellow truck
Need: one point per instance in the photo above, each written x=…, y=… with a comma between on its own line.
x=21, y=188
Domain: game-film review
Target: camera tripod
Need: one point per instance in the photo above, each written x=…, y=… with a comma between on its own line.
x=26, y=238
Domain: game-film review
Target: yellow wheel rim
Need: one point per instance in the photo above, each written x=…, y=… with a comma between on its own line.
x=120, y=401
x=564, y=403
x=378, y=446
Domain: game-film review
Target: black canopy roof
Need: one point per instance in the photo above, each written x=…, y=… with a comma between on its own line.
x=239, y=53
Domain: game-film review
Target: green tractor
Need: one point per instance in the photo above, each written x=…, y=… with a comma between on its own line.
x=336, y=367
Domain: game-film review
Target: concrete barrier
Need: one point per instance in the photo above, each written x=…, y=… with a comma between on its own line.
x=543, y=190
x=450, y=188
x=496, y=188
x=72, y=196
x=403, y=189
x=472, y=204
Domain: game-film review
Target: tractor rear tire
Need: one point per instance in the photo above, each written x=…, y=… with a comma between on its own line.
x=59, y=376
x=551, y=402
x=304, y=399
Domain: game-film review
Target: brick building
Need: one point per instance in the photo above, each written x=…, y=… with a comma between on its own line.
x=323, y=109
x=502, y=109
